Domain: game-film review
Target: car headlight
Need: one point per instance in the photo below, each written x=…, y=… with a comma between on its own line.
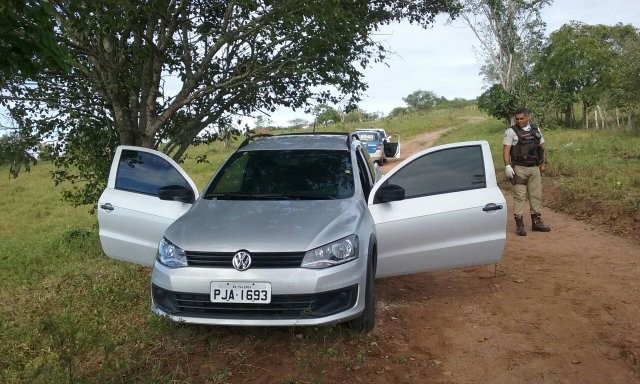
x=171, y=255
x=332, y=254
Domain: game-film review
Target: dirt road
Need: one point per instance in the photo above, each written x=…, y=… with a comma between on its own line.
x=560, y=307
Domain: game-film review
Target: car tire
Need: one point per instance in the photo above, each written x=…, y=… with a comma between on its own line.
x=367, y=320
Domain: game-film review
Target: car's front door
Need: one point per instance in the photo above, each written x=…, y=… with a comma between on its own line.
x=440, y=208
x=392, y=146
x=131, y=216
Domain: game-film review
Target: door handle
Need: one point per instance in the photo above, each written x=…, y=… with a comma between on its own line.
x=107, y=207
x=492, y=207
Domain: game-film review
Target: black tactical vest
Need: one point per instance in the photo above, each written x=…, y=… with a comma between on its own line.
x=527, y=152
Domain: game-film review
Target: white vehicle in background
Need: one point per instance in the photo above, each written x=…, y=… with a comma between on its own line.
x=380, y=145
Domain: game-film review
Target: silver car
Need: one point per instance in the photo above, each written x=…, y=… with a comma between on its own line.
x=293, y=229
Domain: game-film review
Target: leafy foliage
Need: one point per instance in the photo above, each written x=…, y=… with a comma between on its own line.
x=497, y=102
x=15, y=152
x=398, y=111
x=422, y=100
x=326, y=114
x=589, y=64
x=625, y=91
x=160, y=71
x=28, y=43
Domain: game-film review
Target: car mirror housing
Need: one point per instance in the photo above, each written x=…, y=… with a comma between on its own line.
x=176, y=193
x=388, y=193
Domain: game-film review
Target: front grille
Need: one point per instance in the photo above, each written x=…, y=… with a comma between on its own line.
x=258, y=260
x=282, y=307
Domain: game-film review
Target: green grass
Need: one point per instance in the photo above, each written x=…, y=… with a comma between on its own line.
x=412, y=124
x=603, y=165
x=595, y=167
x=70, y=314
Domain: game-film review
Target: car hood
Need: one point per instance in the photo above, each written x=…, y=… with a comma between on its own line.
x=264, y=225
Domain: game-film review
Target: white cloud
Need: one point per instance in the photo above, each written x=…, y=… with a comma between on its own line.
x=442, y=59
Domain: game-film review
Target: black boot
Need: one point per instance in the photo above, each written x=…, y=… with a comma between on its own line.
x=520, y=225
x=537, y=224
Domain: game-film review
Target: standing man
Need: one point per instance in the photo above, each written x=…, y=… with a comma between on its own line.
x=524, y=159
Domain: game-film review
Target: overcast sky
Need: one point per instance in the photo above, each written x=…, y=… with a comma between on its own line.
x=442, y=59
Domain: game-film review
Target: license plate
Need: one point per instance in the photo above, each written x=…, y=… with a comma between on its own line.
x=240, y=292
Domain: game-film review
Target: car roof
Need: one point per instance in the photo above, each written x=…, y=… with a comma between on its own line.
x=324, y=141
x=378, y=130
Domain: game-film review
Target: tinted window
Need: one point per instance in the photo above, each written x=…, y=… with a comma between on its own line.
x=370, y=167
x=364, y=174
x=145, y=172
x=296, y=174
x=448, y=170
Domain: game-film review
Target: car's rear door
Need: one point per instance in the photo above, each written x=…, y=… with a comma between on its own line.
x=452, y=214
x=131, y=216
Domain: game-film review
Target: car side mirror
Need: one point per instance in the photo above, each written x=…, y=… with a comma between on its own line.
x=176, y=193
x=390, y=192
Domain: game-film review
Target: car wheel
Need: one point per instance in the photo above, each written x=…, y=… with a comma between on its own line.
x=367, y=320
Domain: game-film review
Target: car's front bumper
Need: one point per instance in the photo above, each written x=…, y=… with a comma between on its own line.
x=299, y=296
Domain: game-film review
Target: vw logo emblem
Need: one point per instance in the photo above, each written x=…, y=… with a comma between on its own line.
x=241, y=261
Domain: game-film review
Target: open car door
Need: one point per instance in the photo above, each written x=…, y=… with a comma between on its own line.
x=392, y=146
x=146, y=192
x=440, y=208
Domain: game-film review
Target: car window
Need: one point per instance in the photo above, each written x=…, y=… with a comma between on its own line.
x=370, y=167
x=145, y=172
x=366, y=178
x=288, y=174
x=444, y=171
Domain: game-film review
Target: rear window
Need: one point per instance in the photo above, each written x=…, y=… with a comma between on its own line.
x=282, y=175
x=367, y=136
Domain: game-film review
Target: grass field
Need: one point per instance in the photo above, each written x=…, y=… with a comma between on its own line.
x=592, y=168
x=68, y=314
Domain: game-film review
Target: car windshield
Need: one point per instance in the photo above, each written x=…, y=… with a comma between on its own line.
x=367, y=136
x=284, y=175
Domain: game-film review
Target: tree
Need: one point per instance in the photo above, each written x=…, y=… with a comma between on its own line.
x=497, y=102
x=626, y=81
x=398, y=111
x=509, y=32
x=15, y=151
x=262, y=121
x=326, y=114
x=581, y=62
x=229, y=59
x=28, y=42
x=355, y=115
x=421, y=100
x=298, y=123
